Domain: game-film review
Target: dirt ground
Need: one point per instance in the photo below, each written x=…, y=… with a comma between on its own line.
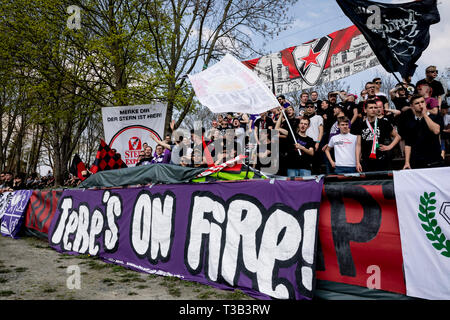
x=31, y=270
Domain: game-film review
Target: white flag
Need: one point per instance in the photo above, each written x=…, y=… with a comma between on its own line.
x=229, y=86
x=423, y=206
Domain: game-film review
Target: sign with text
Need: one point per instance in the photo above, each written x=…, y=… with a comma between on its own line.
x=128, y=128
x=257, y=236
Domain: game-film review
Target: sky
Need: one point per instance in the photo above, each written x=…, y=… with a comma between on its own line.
x=317, y=18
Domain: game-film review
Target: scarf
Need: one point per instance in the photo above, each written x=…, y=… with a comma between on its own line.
x=373, y=152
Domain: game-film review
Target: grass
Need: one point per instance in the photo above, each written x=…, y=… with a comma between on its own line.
x=20, y=269
x=171, y=280
x=206, y=294
x=195, y=285
x=97, y=265
x=235, y=295
x=84, y=256
x=174, y=292
x=117, y=268
x=65, y=256
x=3, y=280
x=141, y=286
x=171, y=283
x=6, y=293
x=108, y=281
x=40, y=246
x=124, y=280
x=47, y=289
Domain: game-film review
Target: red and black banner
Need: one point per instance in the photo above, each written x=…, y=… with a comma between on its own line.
x=41, y=209
x=329, y=58
x=359, y=237
x=107, y=159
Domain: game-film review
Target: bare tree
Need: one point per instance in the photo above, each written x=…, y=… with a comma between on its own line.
x=188, y=34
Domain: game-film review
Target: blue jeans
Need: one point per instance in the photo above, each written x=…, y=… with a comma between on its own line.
x=298, y=172
x=340, y=169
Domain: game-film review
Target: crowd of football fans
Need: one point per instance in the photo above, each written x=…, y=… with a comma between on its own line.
x=340, y=133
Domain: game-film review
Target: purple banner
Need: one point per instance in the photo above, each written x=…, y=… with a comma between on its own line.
x=256, y=236
x=14, y=212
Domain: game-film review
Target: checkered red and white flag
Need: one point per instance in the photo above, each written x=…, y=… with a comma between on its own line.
x=106, y=159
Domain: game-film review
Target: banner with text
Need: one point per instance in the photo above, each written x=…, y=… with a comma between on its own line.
x=423, y=202
x=128, y=128
x=359, y=237
x=228, y=86
x=14, y=213
x=257, y=236
x=326, y=59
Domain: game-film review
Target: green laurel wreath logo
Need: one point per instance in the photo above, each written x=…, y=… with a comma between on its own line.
x=430, y=225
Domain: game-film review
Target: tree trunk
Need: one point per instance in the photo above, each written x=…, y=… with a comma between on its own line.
x=38, y=136
x=19, y=144
x=7, y=141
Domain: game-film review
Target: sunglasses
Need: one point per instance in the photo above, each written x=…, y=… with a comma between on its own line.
x=433, y=71
x=378, y=82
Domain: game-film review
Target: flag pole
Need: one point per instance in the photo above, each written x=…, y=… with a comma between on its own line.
x=282, y=108
x=401, y=82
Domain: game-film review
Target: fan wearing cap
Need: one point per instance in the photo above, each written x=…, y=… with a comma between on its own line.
x=399, y=97
x=332, y=97
x=431, y=74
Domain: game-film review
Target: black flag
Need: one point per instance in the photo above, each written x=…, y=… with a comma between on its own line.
x=397, y=33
